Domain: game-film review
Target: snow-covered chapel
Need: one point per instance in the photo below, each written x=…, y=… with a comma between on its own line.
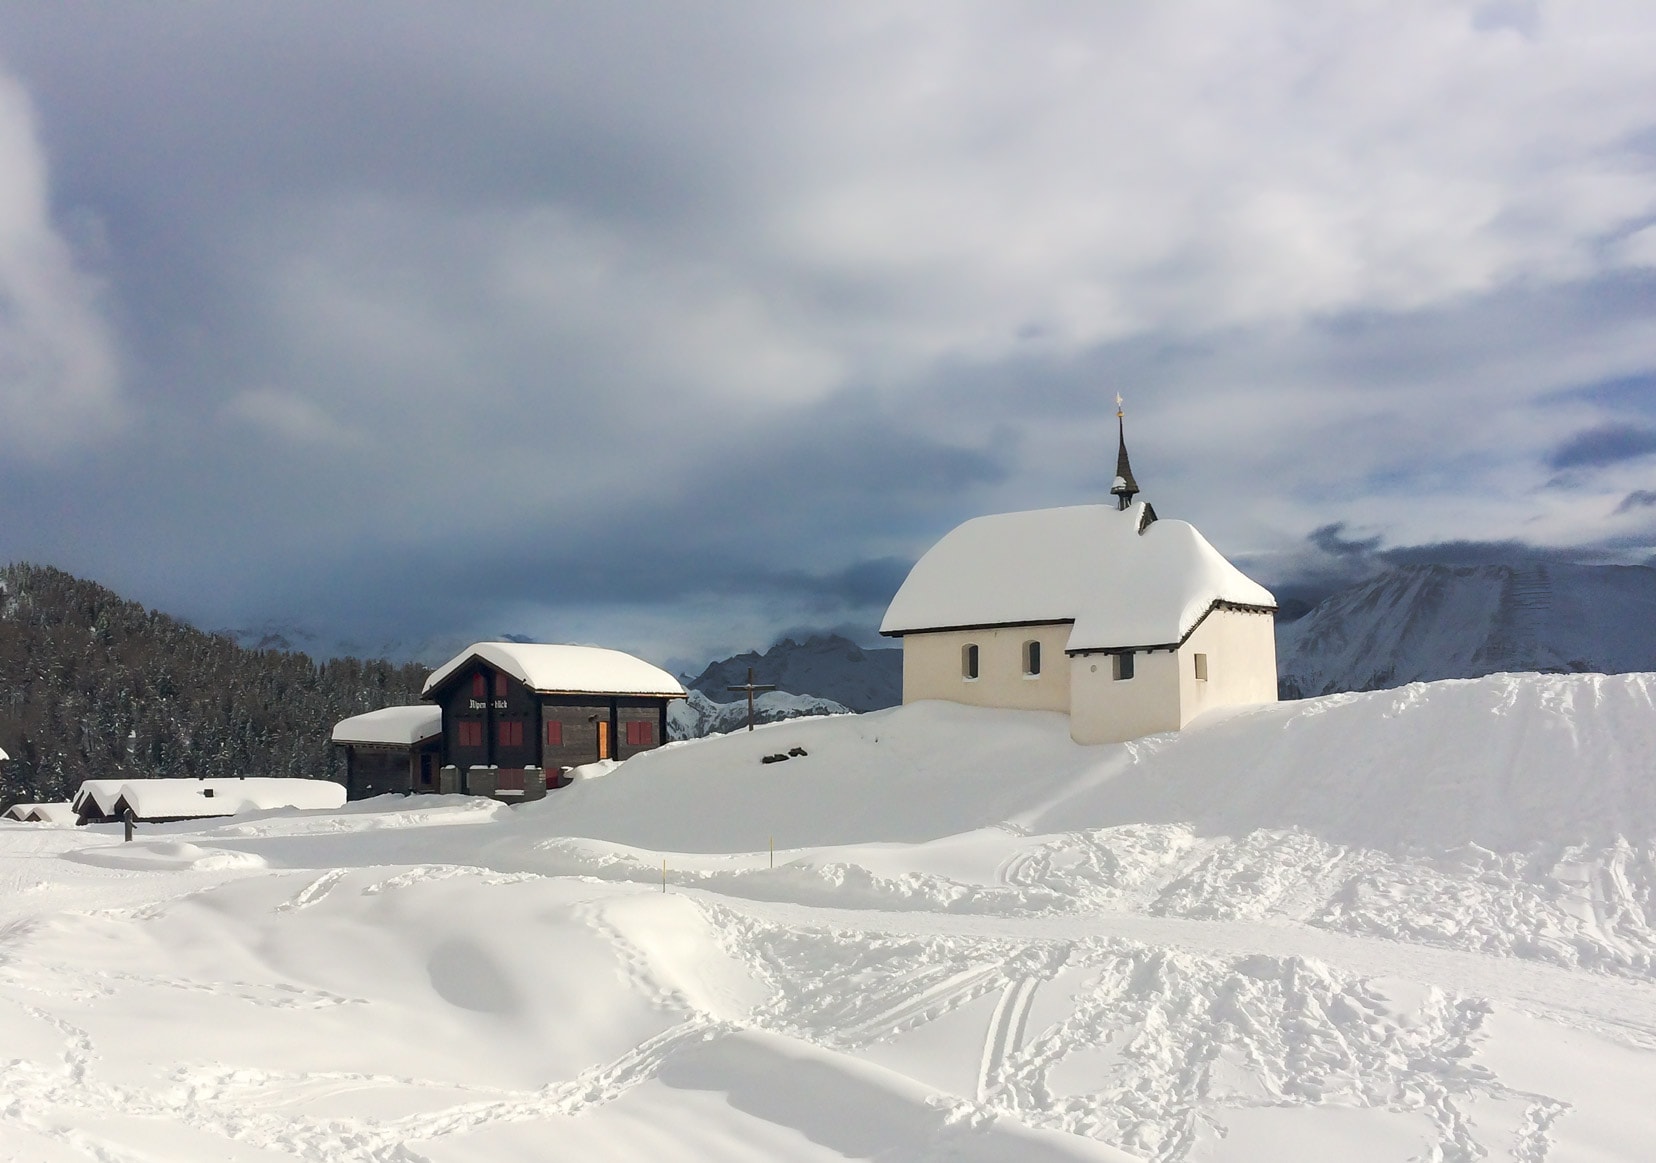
x=1129, y=624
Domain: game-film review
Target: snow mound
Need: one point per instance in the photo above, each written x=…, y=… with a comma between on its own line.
x=163, y=855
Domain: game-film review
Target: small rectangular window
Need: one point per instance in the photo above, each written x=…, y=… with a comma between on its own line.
x=554, y=734
x=1032, y=658
x=1201, y=668
x=471, y=733
x=509, y=733
x=640, y=734
x=480, y=686
x=500, y=684
x=1123, y=666
x=969, y=661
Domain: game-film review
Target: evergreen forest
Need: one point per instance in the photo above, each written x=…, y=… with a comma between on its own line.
x=93, y=686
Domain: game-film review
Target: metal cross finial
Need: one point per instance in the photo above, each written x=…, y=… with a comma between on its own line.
x=1118, y=405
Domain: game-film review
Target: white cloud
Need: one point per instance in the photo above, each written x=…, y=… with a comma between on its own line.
x=58, y=373
x=1638, y=249
x=288, y=416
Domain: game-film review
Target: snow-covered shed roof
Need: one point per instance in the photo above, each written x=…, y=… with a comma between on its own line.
x=1121, y=581
x=396, y=725
x=158, y=799
x=102, y=792
x=48, y=813
x=565, y=670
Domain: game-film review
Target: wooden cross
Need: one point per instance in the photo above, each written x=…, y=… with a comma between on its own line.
x=750, y=688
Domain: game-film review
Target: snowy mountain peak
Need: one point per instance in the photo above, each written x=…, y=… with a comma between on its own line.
x=1424, y=622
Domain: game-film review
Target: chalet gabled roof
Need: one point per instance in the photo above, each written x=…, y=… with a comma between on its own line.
x=1121, y=581
x=563, y=670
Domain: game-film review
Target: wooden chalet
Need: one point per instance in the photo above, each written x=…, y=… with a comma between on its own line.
x=509, y=720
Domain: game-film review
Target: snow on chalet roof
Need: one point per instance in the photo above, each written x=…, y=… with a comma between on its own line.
x=152, y=799
x=1089, y=564
x=576, y=670
x=396, y=725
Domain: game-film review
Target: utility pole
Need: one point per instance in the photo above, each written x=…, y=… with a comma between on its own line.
x=750, y=688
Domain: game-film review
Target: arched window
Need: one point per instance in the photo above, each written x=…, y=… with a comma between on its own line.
x=969, y=661
x=1032, y=658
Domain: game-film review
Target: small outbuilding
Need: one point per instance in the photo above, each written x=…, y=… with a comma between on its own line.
x=48, y=813
x=393, y=749
x=1128, y=624
x=94, y=801
x=162, y=801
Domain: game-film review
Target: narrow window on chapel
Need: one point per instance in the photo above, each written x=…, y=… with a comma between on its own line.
x=969, y=661
x=1201, y=668
x=1032, y=658
x=1123, y=666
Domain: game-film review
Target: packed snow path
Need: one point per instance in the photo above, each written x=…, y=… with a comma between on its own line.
x=1404, y=925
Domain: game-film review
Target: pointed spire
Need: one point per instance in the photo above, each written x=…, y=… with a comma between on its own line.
x=1125, y=487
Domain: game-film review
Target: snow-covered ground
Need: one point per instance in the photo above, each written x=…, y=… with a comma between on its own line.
x=1410, y=924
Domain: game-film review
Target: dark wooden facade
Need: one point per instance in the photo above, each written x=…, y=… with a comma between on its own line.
x=376, y=769
x=491, y=719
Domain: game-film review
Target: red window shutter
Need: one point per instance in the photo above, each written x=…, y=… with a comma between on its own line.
x=500, y=684
x=554, y=734
x=517, y=733
x=646, y=734
x=479, y=688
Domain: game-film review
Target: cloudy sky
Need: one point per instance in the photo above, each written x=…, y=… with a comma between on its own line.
x=677, y=326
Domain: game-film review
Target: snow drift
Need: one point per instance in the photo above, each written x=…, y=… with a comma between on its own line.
x=1406, y=924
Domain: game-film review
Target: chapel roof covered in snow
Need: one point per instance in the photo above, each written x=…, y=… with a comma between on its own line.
x=403, y=726
x=1123, y=579
x=565, y=670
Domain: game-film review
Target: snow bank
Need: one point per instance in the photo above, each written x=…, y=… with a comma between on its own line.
x=1410, y=924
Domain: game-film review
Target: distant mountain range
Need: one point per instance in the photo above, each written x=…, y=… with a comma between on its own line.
x=1424, y=622
x=825, y=665
x=107, y=685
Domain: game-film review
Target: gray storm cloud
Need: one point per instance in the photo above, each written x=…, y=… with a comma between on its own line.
x=586, y=314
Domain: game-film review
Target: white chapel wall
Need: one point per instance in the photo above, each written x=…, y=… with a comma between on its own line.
x=1241, y=663
x=1104, y=709
x=932, y=668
